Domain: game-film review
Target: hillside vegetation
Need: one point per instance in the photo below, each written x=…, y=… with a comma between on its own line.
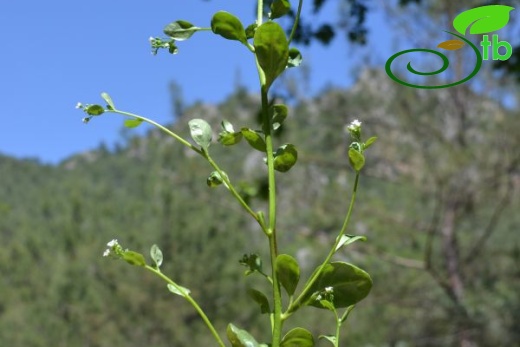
x=438, y=203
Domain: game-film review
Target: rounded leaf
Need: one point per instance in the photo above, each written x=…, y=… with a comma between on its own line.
x=132, y=123
x=288, y=272
x=348, y=239
x=272, y=51
x=357, y=160
x=285, y=157
x=229, y=139
x=253, y=262
x=178, y=290
x=330, y=338
x=228, y=26
x=215, y=179
x=483, y=19
x=295, y=58
x=250, y=30
x=227, y=126
x=279, y=114
x=369, y=142
x=180, y=30
x=94, y=110
x=200, y=132
x=349, y=283
x=239, y=337
x=157, y=256
x=254, y=139
x=134, y=258
x=260, y=299
x=108, y=100
x=279, y=8
x=298, y=337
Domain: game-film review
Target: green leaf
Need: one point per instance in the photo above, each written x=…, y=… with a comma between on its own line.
x=228, y=136
x=260, y=299
x=346, y=313
x=228, y=26
x=239, y=337
x=279, y=114
x=157, y=256
x=200, y=132
x=229, y=139
x=215, y=179
x=483, y=19
x=369, y=142
x=175, y=290
x=253, y=262
x=227, y=126
x=285, y=157
x=94, y=110
x=254, y=139
x=288, y=272
x=348, y=239
x=349, y=283
x=134, y=258
x=328, y=305
x=330, y=338
x=132, y=123
x=180, y=30
x=250, y=30
x=272, y=51
x=297, y=337
x=357, y=160
x=279, y=8
x=295, y=58
x=108, y=99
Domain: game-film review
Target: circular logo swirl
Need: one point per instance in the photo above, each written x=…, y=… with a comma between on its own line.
x=445, y=64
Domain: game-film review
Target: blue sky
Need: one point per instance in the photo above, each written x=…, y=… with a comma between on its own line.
x=56, y=53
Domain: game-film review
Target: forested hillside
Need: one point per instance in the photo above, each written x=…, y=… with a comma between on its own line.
x=438, y=203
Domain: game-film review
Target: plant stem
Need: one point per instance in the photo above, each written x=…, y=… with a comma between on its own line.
x=259, y=12
x=298, y=302
x=273, y=247
x=204, y=154
x=296, y=19
x=163, y=128
x=191, y=301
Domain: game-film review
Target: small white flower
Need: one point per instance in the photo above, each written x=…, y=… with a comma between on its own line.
x=112, y=243
x=151, y=39
x=79, y=105
x=328, y=289
x=106, y=253
x=355, y=124
x=318, y=298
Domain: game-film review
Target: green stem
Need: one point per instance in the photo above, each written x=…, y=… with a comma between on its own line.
x=163, y=128
x=191, y=301
x=273, y=247
x=260, y=12
x=298, y=302
x=234, y=192
x=296, y=20
x=204, y=154
x=338, y=329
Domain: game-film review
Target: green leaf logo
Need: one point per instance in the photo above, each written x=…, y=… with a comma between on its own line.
x=483, y=19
